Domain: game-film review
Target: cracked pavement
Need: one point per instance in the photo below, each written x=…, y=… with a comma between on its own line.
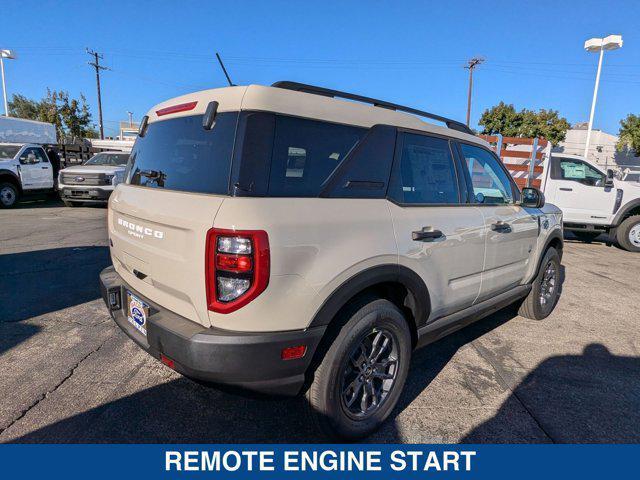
x=69, y=375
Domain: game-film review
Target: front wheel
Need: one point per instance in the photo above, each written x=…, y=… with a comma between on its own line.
x=628, y=234
x=360, y=378
x=545, y=289
x=8, y=195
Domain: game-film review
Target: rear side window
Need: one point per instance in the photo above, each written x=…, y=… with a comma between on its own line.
x=424, y=172
x=305, y=152
x=179, y=154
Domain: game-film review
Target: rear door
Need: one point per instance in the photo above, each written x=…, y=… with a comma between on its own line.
x=511, y=231
x=177, y=179
x=440, y=236
x=577, y=188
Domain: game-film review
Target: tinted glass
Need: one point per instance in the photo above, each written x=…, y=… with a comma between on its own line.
x=491, y=184
x=8, y=151
x=581, y=172
x=108, y=159
x=305, y=152
x=426, y=173
x=179, y=154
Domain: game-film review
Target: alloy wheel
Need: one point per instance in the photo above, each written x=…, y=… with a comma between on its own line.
x=369, y=374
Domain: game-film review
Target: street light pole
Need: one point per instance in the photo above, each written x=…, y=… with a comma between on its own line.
x=4, y=87
x=593, y=104
x=611, y=42
x=10, y=55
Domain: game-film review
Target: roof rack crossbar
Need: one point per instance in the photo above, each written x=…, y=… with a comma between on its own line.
x=327, y=92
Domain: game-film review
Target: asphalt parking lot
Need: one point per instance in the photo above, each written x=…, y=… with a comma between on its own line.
x=69, y=375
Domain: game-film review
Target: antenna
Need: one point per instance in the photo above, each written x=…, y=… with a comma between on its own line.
x=231, y=84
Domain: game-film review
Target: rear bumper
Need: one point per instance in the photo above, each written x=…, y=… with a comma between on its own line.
x=247, y=360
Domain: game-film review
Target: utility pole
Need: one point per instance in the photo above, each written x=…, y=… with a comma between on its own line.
x=473, y=63
x=98, y=67
x=130, y=119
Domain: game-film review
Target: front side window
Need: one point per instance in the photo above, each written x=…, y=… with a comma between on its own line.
x=179, y=154
x=305, y=152
x=581, y=172
x=425, y=173
x=32, y=155
x=491, y=184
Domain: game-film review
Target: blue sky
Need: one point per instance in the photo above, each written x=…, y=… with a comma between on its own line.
x=408, y=52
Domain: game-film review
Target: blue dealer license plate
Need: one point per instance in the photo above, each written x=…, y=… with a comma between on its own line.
x=137, y=313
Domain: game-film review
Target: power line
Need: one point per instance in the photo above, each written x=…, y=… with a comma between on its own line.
x=98, y=67
x=471, y=64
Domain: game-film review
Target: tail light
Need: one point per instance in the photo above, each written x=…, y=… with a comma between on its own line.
x=237, y=267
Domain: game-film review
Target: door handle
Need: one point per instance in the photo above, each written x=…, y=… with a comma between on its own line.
x=44, y=168
x=501, y=227
x=565, y=189
x=427, y=234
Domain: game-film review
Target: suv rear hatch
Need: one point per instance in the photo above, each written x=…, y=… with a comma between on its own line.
x=177, y=179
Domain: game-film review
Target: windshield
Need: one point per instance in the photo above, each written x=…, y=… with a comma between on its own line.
x=179, y=154
x=109, y=159
x=8, y=151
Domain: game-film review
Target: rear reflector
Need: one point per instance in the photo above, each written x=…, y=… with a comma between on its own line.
x=167, y=361
x=183, y=107
x=291, y=353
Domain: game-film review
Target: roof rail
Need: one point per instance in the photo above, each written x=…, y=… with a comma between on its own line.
x=326, y=92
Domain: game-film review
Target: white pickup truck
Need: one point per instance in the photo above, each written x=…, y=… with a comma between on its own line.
x=25, y=165
x=593, y=201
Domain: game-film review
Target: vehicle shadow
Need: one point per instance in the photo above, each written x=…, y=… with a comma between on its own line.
x=43, y=281
x=589, y=398
x=38, y=201
x=183, y=411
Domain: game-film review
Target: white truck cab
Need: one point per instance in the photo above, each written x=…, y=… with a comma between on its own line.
x=593, y=201
x=24, y=168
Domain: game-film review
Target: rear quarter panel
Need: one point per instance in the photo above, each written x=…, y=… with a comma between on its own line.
x=316, y=244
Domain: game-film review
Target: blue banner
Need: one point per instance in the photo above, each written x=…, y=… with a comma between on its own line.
x=319, y=461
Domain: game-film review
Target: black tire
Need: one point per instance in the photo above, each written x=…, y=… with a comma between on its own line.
x=328, y=396
x=537, y=306
x=628, y=234
x=67, y=203
x=9, y=195
x=586, y=237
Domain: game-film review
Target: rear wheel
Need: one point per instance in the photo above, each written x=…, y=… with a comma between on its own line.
x=628, y=234
x=8, y=195
x=545, y=289
x=359, y=380
x=587, y=237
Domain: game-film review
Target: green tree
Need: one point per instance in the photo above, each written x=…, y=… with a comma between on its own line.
x=71, y=117
x=504, y=119
x=630, y=134
x=501, y=118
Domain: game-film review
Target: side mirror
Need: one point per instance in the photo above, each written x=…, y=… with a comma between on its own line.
x=608, y=182
x=532, y=197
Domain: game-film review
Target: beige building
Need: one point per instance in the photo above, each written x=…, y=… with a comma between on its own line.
x=602, y=149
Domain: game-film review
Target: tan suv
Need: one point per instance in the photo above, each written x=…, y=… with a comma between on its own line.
x=291, y=239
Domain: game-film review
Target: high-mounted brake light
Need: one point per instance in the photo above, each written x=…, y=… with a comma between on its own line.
x=237, y=267
x=183, y=107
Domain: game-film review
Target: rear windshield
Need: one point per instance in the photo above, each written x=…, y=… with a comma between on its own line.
x=179, y=154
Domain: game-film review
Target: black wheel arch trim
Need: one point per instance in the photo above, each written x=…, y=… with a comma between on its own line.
x=370, y=277
x=9, y=173
x=626, y=208
x=556, y=235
